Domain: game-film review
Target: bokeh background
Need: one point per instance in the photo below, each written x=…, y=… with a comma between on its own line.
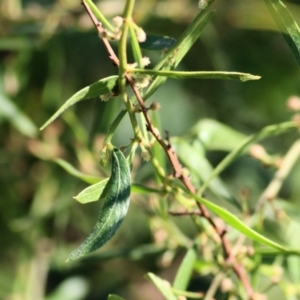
x=48, y=51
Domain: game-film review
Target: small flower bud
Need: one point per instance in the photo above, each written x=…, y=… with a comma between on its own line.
x=142, y=81
x=155, y=105
x=293, y=103
x=257, y=151
x=202, y=4
x=258, y=296
x=277, y=274
x=145, y=61
x=106, y=97
x=146, y=155
x=118, y=21
x=156, y=131
x=296, y=119
x=250, y=251
x=104, y=157
x=226, y=285
x=141, y=35
x=185, y=172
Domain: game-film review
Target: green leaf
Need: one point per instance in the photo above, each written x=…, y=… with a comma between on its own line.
x=94, y=192
x=198, y=74
x=114, y=297
x=74, y=172
x=10, y=112
x=185, y=270
x=96, y=89
x=215, y=135
x=156, y=42
x=114, y=210
x=268, y=131
x=133, y=253
x=286, y=25
x=162, y=286
x=194, y=159
x=72, y=288
x=180, y=49
x=236, y=223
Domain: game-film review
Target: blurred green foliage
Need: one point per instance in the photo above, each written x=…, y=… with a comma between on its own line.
x=48, y=51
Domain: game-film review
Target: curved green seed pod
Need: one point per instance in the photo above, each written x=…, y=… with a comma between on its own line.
x=114, y=210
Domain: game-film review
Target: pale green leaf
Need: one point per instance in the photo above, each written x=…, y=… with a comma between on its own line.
x=74, y=172
x=194, y=159
x=198, y=74
x=10, y=112
x=114, y=297
x=215, y=135
x=94, y=192
x=162, y=286
x=185, y=270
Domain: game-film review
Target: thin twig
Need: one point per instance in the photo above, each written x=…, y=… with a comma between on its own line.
x=274, y=186
x=177, y=168
x=185, y=213
x=214, y=286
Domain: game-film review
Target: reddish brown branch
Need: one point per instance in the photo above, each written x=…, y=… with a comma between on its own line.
x=177, y=168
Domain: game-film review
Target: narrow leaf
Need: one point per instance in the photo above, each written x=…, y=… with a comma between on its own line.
x=185, y=270
x=114, y=297
x=10, y=112
x=286, y=25
x=74, y=172
x=101, y=87
x=162, y=286
x=180, y=49
x=198, y=74
x=236, y=223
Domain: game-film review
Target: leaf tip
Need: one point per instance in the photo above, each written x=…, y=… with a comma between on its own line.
x=250, y=77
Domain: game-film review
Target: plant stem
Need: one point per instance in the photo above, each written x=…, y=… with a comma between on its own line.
x=170, y=152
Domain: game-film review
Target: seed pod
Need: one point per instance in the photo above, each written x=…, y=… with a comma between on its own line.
x=114, y=210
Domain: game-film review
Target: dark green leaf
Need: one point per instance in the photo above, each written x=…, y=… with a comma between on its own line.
x=286, y=25
x=156, y=42
x=114, y=210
